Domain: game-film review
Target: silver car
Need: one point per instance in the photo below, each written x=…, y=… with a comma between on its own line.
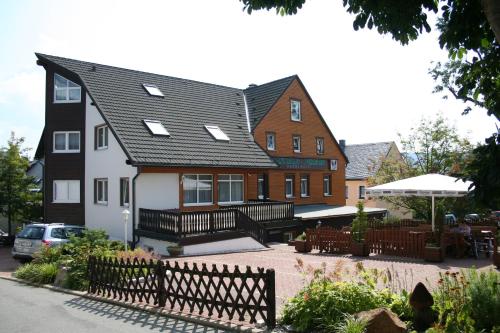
x=33, y=236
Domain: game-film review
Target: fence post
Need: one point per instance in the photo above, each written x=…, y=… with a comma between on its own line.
x=90, y=274
x=211, y=227
x=160, y=275
x=271, y=298
x=179, y=224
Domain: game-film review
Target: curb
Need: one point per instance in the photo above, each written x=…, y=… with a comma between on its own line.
x=214, y=323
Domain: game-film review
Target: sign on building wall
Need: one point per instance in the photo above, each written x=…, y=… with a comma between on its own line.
x=301, y=163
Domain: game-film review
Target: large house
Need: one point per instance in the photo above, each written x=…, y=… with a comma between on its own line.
x=116, y=138
x=364, y=162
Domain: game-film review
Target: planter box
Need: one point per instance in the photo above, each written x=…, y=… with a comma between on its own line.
x=359, y=249
x=433, y=254
x=302, y=246
x=175, y=251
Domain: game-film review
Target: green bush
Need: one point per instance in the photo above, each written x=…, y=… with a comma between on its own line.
x=350, y=324
x=468, y=301
x=37, y=273
x=48, y=254
x=78, y=250
x=360, y=223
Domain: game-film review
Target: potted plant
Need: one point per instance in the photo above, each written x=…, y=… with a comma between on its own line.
x=359, y=226
x=175, y=250
x=301, y=244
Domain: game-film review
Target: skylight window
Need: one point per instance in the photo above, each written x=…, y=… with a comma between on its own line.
x=156, y=127
x=153, y=90
x=217, y=133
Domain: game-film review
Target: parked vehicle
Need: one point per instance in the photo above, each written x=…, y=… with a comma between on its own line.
x=472, y=218
x=36, y=235
x=450, y=219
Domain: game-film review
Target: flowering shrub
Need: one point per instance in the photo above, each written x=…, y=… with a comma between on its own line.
x=468, y=301
x=325, y=300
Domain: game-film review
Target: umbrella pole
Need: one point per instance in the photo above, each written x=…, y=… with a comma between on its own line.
x=433, y=226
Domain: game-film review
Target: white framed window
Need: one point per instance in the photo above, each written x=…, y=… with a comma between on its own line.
x=260, y=186
x=124, y=192
x=296, y=143
x=230, y=188
x=66, y=142
x=153, y=90
x=66, y=191
x=271, y=141
x=295, y=110
x=327, y=185
x=304, y=186
x=362, y=192
x=101, y=191
x=197, y=190
x=320, y=146
x=217, y=133
x=66, y=91
x=333, y=165
x=289, y=185
x=101, y=137
x=156, y=127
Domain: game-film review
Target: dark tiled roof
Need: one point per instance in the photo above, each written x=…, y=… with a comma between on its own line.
x=186, y=108
x=364, y=159
x=261, y=98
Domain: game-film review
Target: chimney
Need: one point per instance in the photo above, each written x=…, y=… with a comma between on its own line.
x=342, y=144
x=252, y=85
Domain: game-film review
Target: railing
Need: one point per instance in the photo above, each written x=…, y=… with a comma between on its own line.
x=245, y=295
x=254, y=229
x=401, y=243
x=404, y=223
x=181, y=224
x=329, y=240
x=266, y=211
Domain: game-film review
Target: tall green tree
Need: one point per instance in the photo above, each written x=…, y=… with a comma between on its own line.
x=15, y=195
x=432, y=146
x=468, y=29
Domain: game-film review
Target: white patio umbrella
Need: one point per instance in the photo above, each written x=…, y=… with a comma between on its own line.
x=430, y=185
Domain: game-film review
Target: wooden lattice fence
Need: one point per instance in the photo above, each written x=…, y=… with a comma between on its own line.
x=244, y=295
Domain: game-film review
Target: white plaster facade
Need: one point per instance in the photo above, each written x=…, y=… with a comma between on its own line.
x=154, y=191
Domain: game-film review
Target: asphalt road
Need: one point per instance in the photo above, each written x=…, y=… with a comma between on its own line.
x=29, y=309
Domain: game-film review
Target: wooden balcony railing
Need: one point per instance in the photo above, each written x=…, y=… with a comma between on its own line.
x=266, y=211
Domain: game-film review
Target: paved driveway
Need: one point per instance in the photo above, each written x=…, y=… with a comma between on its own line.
x=29, y=309
x=283, y=259
x=7, y=263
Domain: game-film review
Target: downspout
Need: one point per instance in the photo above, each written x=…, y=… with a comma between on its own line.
x=134, y=210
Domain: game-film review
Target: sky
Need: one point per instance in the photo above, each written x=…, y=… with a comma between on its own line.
x=368, y=87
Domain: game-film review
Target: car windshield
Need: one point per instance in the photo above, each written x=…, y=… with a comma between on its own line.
x=32, y=233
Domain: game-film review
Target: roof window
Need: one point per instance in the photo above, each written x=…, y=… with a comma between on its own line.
x=153, y=90
x=156, y=127
x=217, y=133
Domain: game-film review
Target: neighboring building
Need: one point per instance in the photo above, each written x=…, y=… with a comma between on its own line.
x=117, y=138
x=35, y=170
x=364, y=162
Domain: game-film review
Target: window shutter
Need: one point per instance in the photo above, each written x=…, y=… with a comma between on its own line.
x=95, y=191
x=95, y=138
x=121, y=191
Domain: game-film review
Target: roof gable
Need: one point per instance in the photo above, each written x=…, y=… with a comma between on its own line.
x=365, y=159
x=186, y=108
x=260, y=99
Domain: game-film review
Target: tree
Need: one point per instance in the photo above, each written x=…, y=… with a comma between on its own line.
x=431, y=147
x=469, y=31
x=15, y=184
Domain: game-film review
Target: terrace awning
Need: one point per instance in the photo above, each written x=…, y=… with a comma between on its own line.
x=430, y=185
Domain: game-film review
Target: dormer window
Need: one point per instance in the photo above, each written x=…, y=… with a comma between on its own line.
x=217, y=133
x=156, y=127
x=153, y=90
x=66, y=91
x=295, y=110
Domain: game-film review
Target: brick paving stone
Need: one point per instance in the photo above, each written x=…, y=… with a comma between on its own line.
x=289, y=281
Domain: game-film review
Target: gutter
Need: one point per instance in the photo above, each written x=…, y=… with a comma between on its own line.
x=134, y=210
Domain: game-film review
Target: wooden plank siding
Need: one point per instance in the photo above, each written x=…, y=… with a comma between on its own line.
x=278, y=120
